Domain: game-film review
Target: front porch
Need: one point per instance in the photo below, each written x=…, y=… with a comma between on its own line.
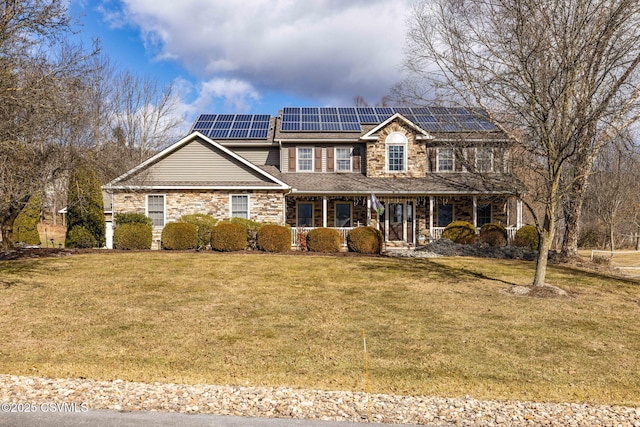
x=403, y=220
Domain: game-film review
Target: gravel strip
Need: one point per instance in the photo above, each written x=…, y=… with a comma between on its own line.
x=285, y=402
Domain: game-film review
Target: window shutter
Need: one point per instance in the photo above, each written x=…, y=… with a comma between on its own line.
x=292, y=159
x=318, y=159
x=330, y=160
x=459, y=159
x=432, y=159
x=356, y=160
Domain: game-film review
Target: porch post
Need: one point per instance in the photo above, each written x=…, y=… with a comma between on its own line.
x=431, y=203
x=324, y=211
x=518, y=214
x=386, y=222
x=368, y=211
x=475, y=211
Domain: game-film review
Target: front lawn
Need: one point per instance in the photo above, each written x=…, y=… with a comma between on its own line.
x=440, y=326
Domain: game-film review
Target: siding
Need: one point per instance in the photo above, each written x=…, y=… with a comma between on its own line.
x=199, y=162
x=259, y=156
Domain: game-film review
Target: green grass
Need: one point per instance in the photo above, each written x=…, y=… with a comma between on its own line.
x=438, y=327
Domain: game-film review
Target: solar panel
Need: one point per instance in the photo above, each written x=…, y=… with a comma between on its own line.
x=233, y=126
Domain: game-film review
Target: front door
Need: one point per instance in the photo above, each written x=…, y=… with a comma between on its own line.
x=396, y=221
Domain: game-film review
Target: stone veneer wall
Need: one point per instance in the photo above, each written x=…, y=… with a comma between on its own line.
x=416, y=154
x=264, y=206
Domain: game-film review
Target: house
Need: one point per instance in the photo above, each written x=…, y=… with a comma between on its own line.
x=407, y=171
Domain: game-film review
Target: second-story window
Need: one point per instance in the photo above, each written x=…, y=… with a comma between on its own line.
x=445, y=159
x=343, y=159
x=396, y=144
x=305, y=159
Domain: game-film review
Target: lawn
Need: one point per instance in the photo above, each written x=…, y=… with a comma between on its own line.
x=440, y=326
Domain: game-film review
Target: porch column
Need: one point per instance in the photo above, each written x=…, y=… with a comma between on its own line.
x=475, y=211
x=518, y=214
x=324, y=211
x=368, y=211
x=431, y=203
x=386, y=221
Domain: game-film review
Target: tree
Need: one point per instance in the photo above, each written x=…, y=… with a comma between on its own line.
x=25, y=226
x=560, y=77
x=85, y=207
x=37, y=71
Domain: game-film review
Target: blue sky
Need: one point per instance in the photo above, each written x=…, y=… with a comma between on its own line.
x=254, y=56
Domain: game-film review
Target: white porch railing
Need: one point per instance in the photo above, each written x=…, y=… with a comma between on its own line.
x=295, y=231
x=437, y=233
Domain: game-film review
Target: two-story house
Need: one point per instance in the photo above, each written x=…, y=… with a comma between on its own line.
x=407, y=171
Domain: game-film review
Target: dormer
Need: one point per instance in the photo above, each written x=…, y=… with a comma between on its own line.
x=395, y=148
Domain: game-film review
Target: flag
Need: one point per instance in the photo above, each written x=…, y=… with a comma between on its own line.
x=376, y=204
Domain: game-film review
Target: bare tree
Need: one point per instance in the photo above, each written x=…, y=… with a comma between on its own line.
x=37, y=68
x=560, y=77
x=613, y=190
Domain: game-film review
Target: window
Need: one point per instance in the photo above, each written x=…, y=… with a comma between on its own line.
x=445, y=215
x=240, y=206
x=343, y=214
x=305, y=159
x=343, y=159
x=445, y=159
x=305, y=214
x=396, y=152
x=483, y=214
x=155, y=209
x=484, y=159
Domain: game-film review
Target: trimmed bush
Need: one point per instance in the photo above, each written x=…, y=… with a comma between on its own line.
x=460, y=232
x=365, y=240
x=133, y=235
x=132, y=217
x=84, y=203
x=323, y=240
x=204, y=224
x=251, y=228
x=527, y=236
x=274, y=238
x=25, y=226
x=494, y=234
x=228, y=237
x=80, y=237
x=179, y=236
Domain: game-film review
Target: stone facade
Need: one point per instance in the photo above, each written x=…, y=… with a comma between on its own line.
x=264, y=206
x=416, y=157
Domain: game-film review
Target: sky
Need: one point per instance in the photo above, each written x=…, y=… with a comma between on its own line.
x=254, y=56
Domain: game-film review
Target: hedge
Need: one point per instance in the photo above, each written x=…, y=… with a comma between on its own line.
x=460, y=232
x=132, y=217
x=228, y=237
x=133, y=235
x=80, y=237
x=204, y=224
x=365, y=240
x=527, y=236
x=323, y=240
x=494, y=234
x=274, y=238
x=179, y=236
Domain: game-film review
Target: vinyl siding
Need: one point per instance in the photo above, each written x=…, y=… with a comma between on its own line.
x=199, y=162
x=259, y=156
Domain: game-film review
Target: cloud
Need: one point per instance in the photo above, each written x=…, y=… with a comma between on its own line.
x=328, y=50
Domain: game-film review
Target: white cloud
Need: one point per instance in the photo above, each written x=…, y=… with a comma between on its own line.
x=323, y=49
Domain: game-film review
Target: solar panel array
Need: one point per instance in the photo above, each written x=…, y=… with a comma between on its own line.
x=233, y=126
x=349, y=119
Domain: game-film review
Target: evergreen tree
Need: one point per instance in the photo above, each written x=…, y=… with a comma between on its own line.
x=25, y=226
x=85, y=207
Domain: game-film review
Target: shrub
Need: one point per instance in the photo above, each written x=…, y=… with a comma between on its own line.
x=251, y=228
x=302, y=241
x=133, y=235
x=365, y=240
x=179, y=236
x=460, y=232
x=85, y=206
x=204, y=224
x=25, y=226
x=494, y=234
x=527, y=236
x=323, y=240
x=132, y=217
x=274, y=238
x=80, y=237
x=228, y=236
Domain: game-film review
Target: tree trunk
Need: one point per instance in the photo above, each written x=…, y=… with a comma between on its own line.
x=573, y=213
x=546, y=237
x=7, y=235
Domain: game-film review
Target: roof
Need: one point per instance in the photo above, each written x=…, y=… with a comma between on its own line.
x=339, y=123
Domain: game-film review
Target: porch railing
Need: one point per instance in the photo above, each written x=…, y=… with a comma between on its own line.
x=296, y=231
x=437, y=233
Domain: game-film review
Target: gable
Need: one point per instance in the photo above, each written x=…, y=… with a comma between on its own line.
x=200, y=162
